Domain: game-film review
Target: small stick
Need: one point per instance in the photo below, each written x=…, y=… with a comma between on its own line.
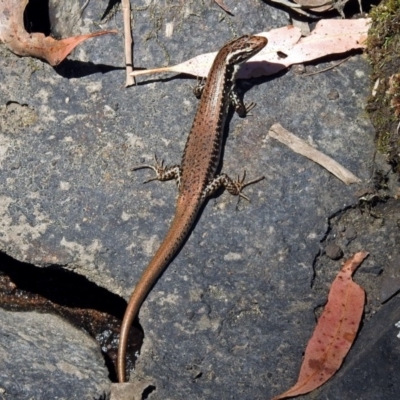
x=300, y=146
x=128, y=41
x=327, y=69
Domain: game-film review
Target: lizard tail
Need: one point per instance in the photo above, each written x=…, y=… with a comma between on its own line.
x=174, y=238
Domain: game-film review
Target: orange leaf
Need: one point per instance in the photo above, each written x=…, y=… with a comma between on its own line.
x=335, y=331
x=20, y=42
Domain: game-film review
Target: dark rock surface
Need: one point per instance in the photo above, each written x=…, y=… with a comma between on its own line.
x=230, y=317
x=371, y=369
x=44, y=357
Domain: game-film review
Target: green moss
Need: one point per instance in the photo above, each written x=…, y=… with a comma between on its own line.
x=384, y=55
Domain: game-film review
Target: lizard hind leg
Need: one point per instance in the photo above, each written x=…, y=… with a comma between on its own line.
x=234, y=187
x=163, y=172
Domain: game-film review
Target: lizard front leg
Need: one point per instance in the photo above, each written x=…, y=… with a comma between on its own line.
x=163, y=172
x=241, y=108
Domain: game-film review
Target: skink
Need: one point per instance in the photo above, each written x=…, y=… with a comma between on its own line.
x=196, y=175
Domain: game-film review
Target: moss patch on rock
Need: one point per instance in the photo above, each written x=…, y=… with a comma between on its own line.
x=384, y=103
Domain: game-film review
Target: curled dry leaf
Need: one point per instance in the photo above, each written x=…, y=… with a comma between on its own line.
x=316, y=5
x=22, y=43
x=335, y=331
x=295, y=7
x=285, y=47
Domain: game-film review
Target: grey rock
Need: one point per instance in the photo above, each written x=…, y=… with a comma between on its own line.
x=391, y=279
x=350, y=233
x=333, y=95
x=333, y=251
x=42, y=357
x=231, y=315
x=370, y=371
x=375, y=270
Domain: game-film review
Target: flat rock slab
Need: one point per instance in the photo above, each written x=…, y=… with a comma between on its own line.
x=32, y=366
x=232, y=314
x=371, y=371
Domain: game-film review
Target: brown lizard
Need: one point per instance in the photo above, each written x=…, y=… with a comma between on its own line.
x=196, y=175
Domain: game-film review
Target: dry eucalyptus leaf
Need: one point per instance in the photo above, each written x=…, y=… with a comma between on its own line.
x=285, y=47
x=329, y=37
x=22, y=43
x=335, y=331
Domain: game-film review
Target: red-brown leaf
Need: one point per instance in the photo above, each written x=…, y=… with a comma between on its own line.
x=20, y=42
x=335, y=331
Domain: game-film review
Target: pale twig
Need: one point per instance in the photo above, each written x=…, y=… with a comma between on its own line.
x=326, y=69
x=223, y=6
x=84, y=6
x=300, y=146
x=128, y=41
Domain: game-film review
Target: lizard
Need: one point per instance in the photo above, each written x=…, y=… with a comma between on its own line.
x=196, y=176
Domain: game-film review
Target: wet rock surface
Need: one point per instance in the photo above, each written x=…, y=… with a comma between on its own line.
x=232, y=314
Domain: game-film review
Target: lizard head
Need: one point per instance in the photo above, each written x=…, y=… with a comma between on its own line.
x=239, y=50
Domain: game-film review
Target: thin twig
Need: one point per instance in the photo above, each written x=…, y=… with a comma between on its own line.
x=301, y=147
x=327, y=69
x=128, y=41
x=84, y=6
